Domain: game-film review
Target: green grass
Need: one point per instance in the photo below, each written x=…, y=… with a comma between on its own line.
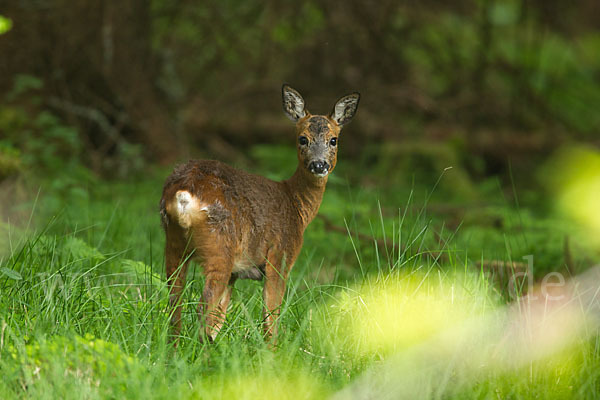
x=83, y=304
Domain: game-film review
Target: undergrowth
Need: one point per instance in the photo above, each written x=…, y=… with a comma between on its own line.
x=83, y=301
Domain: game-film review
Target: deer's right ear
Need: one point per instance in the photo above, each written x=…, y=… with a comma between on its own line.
x=293, y=103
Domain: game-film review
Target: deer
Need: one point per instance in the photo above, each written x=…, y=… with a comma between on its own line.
x=239, y=225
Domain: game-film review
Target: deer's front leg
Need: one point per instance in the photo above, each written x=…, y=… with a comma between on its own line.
x=215, y=299
x=275, y=278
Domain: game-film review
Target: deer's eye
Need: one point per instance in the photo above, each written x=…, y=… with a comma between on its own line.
x=303, y=141
x=333, y=141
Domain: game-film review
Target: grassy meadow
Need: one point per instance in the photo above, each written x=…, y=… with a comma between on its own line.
x=403, y=289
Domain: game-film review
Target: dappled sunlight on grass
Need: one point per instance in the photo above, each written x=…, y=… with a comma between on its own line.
x=384, y=314
x=536, y=345
x=574, y=175
x=282, y=384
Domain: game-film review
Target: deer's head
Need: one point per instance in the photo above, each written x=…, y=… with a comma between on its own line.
x=317, y=135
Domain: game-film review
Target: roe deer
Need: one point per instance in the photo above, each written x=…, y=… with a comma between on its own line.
x=245, y=226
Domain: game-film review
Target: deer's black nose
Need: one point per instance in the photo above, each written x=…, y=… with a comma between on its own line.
x=318, y=167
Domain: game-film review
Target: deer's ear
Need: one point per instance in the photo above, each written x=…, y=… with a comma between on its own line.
x=293, y=103
x=345, y=108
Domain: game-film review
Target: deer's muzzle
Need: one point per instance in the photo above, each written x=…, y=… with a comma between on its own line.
x=319, y=168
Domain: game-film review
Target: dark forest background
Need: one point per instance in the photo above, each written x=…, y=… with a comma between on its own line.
x=482, y=84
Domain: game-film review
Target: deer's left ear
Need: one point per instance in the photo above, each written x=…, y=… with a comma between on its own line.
x=345, y=108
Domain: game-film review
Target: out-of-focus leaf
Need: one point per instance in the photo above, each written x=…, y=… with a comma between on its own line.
x=5, y=24
x=504, y=13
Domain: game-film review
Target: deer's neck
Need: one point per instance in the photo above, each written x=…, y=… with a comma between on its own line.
x=306, y=193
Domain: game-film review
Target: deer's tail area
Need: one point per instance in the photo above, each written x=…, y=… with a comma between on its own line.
x=186, y=209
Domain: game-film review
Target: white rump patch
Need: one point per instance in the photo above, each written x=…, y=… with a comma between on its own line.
x=183, y=200
x=187, y=207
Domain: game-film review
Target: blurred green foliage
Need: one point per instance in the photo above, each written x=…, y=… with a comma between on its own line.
x=498, y=63
x=5, y=24
x=43, y=140
x=492, y=79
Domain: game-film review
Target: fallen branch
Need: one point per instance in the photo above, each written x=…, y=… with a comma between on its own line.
x=330, y=226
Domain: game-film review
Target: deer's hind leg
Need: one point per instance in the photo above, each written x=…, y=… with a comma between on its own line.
x=217, y=260
x=177, y=254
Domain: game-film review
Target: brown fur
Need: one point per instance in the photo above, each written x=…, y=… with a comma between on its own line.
x=243, y=226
